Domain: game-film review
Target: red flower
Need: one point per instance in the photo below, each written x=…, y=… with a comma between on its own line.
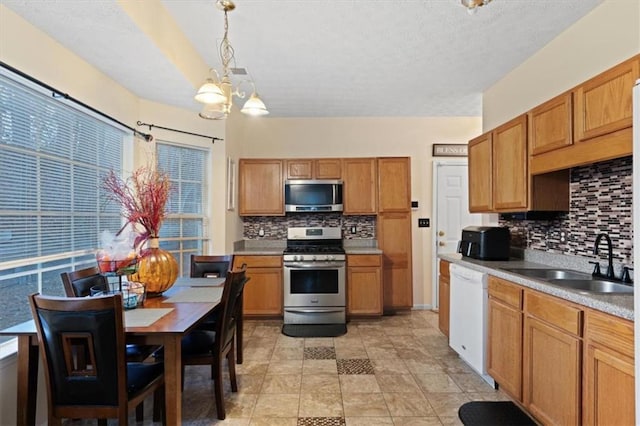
x=143, y=198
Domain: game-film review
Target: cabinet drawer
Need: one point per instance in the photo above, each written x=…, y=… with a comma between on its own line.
x=505, y=291
x=612, y=332
x=444, y=268
x=363, y=260
x=258, y=261
x=554, y=311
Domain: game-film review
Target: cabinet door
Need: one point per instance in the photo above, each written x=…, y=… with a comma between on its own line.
x=551, y=379
x=443, y=304
x=394, y=238
x=480, y=174
x=299, y=169
x=364, y=291
x=328, y=168
x=394, y=184
x=550, y=125
x=504, y=351
x=261, y=188
x=263, y=293
x=510, y=175
x=604, y=104
x=359, y=189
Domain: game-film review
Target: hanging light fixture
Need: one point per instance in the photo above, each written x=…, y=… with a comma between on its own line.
x=217, y=93
x=473, y=5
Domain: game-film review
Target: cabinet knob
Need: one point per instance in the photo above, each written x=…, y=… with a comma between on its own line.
x=441, y=234
x=442, y=244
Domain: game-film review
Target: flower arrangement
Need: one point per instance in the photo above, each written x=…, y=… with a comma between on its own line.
x=143, y=198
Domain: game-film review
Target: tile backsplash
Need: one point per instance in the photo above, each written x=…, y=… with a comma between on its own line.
x=600, y=201
x=275, y=227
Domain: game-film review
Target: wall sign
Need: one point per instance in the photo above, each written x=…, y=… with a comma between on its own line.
x=449, y=150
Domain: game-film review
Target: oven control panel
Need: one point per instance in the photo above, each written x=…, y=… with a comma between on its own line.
x=314, y=257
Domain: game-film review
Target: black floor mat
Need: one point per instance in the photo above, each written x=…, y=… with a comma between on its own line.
x=493, y=413
x=314, y=330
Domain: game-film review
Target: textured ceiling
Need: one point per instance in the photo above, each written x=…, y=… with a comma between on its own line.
x=318, y=58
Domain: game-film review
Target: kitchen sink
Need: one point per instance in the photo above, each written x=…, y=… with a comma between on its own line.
x=550, y=274
x=593, y=286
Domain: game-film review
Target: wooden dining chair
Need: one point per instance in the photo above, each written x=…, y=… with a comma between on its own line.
x=78, y=283
x=105, y=386
x=204, y=347
x=210, y=266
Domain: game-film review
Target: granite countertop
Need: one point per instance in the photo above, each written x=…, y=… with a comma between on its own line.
x=618, y=305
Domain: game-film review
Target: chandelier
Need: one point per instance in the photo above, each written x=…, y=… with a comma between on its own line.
x=473, y=5
x=217, y=92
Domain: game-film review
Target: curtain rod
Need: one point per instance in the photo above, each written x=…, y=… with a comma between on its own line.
x=213, y=138
x=57, y=94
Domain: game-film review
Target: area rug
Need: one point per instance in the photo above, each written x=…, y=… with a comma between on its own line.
x=493, y=413
x=314, y=330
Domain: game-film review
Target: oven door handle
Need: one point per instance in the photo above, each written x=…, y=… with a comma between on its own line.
x=313, y=311
x=319, y=265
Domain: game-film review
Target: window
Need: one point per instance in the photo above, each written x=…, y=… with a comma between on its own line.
x=184, y=232
x=53, y=158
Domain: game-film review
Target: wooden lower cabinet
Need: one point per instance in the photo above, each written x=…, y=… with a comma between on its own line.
x=609, y=379
x=364, y=285
x=394, y=239
x=552, y=359
x=444, y=291
x=263, y=292
x=504, y=352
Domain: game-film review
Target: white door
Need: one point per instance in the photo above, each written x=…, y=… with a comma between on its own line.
x=451, y=210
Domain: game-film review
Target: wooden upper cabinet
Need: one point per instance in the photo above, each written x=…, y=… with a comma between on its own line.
x=550, y=125
x=306, y=168
x=480, y=174
x=261, y=187
x=359, y=189
x=394, y=184
x=510, y=175
x=604, y=104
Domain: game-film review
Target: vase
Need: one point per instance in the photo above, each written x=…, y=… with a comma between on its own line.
x=157, y=269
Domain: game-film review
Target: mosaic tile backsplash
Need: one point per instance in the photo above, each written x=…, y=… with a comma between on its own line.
x=275, y=227
x=600, y=201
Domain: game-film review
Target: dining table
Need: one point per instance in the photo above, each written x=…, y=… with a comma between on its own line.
x=163, y=320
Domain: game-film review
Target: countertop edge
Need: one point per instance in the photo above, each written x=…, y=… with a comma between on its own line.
x=617, y=305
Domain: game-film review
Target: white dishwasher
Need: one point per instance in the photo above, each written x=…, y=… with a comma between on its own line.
x=469, y=317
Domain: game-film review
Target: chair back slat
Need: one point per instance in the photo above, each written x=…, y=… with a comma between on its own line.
x=225, y=327
x=210, y=266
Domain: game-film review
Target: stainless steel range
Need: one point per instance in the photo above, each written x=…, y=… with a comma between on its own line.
x=314, y=276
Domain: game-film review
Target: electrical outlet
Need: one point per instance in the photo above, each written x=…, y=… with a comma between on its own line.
x=423, y=223
x=354, y=230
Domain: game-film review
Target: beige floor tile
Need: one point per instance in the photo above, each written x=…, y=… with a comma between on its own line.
x=277, y=405
x=397, y=383
x=319, y=366
x=247, y=383
x=469, y=382
x=253, y=367
x=488, y=396
x=438, y=382
x=364, y=405
x=447, y=404
x=320, y=383
x=311, y=342
x=285, y=367
x=285, y=352
x=453, y=364
x=408, y=404
x=383, y=366
x=413, y=353
x=239, y=405
x=258, y=353
x=273, y=421
x=381, y=352
x=368, y=421
x=320, y=405
x=416, y=421
x=359, y=383
x=267, y=331
x=451, y=421
x=430, y=366
x=289, y=342
x=348, y=352
x=281, y=383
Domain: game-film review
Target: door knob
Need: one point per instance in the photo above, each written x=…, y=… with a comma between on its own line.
x=441, y=234
x=442, y=244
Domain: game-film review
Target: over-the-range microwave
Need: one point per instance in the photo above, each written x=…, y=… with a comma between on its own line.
x=313, y=195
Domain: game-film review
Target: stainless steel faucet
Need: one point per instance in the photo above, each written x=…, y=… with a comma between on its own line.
x=610, y=273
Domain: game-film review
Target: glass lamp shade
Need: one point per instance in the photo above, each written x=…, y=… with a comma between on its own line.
x=213, y=112
x=254, y=106
x=210, y=93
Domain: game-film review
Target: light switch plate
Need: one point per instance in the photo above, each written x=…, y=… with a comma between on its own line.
x=423, y=223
